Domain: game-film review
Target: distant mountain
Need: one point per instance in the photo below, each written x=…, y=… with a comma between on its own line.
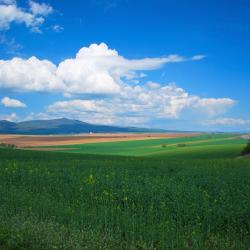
x=7, y=126
x=64, y=126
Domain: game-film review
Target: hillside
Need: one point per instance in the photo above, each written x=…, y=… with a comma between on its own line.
x=64, y=126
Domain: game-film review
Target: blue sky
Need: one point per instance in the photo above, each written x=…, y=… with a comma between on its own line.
x=169, y=64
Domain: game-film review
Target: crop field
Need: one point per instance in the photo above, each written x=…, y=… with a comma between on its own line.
x=199, y=146
x=176, y=193
x=55, y=140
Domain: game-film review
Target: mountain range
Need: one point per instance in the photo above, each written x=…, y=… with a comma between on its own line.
x=64, y=126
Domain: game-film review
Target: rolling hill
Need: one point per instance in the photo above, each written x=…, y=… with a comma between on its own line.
x=64, y=126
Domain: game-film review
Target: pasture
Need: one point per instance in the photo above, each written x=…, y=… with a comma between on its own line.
x=177, y=193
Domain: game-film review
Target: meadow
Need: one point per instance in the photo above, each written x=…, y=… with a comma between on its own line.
x=179, y=193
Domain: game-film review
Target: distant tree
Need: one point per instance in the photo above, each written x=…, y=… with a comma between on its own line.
x=246, y=150
x=6, y=145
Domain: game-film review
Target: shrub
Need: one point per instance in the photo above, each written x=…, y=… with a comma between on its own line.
x=246, y=150
x=163, y=145
x=181, y=145
x=6, y=145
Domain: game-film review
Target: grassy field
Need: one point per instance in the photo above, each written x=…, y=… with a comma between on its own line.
x=190, y=193
x=208, y=143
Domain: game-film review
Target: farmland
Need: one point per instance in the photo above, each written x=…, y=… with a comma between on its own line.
x=199, y=146
x=164, y=193
x=55, y=140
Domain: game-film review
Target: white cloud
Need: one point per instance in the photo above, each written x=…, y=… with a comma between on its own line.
x=40, y=9
x=214, y=106
x=11, y=117
x=95, y=69
x=38, y=116
x=29, y=75
x=77, y=106
x=153, y=85
x=32, y=18
x=99, y=70
x=229, y=122
x=12, y=103
x=140, y=104
x=57, y=28
x=198, y=57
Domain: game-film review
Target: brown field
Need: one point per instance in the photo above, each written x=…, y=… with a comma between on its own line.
x=37, y=141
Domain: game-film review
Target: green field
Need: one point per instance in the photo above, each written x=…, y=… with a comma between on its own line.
x=205, y=145
x=190, y=193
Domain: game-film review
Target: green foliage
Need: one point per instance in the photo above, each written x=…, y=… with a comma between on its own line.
x=52, y=200
x=246, y=150
x=7, y=145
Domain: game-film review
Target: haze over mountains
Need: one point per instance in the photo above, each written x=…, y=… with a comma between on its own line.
x=64, y=126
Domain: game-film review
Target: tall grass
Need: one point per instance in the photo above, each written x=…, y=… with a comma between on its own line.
x=69, y=201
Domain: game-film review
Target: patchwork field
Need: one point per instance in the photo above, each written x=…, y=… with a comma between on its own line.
x=175, y=193
x=54, y=140
x=187, y=145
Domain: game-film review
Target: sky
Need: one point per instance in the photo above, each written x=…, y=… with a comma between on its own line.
x=171, y=64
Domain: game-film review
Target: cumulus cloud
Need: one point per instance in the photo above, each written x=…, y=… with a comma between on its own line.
x=98, y=69
x=40, y=9
x=33, y=17
x=95, y=69
x=29, y=75
x=12, y=103
x=139, y=104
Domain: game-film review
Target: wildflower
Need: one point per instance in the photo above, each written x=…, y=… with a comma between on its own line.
x=90, y=180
